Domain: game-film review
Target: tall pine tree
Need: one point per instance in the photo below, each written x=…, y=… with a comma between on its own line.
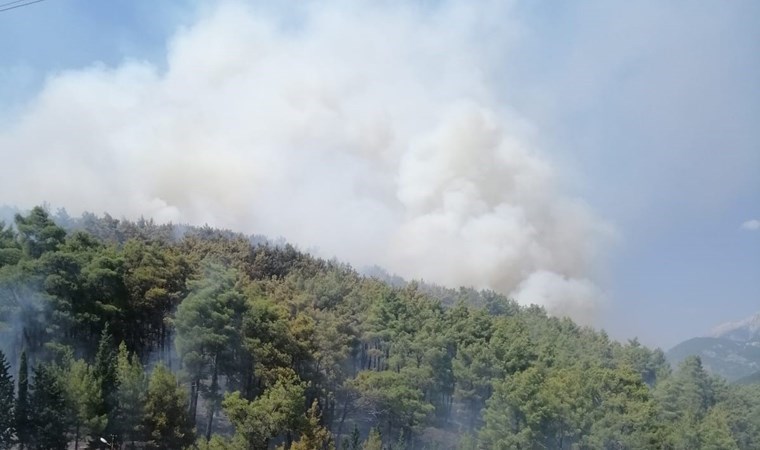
x=22, y=416
x=48, y=411
x=314, y=436
x=83, y=401
x=38, y=233
x=130, y=395
x=104, y=371
x=7, y=425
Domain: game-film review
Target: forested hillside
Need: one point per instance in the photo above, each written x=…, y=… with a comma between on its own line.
x=165, y=337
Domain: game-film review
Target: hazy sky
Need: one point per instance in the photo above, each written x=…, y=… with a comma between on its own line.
x=599, y=157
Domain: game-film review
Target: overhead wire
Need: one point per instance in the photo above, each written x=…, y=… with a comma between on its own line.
x=7, y=6
x=12, y=3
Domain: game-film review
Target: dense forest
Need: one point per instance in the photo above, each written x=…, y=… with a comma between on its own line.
x=119, y=334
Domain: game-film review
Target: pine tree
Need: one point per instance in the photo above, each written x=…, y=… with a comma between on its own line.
x=374, y=441
x=208, y=338
x=315, y=436
x=38, y=232
x=23, y=424
x=83, y=401
x=167, y=422
x=715, y=432
x=277, y=411
x=130, y=394
x=355, y=439
x=7, y=425
x=48, y=411
x=104, y=371
x=467, y=442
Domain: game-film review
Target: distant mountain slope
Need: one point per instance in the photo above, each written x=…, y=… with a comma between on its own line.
x=730, y=359
x=733, y=350
x=750, y=379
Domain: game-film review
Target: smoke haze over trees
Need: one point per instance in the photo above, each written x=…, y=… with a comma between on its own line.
x=277, y=348
x=454, y=201
x=406, y=159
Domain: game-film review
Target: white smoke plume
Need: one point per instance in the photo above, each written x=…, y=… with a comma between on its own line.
x=369, y=132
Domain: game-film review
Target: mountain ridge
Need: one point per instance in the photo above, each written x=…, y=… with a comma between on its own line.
x=741, y=330
x=731, y=350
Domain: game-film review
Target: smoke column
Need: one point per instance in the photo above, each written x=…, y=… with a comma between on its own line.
x=371, y=132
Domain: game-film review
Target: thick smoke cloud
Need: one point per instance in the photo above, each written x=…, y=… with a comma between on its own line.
x=370, y=133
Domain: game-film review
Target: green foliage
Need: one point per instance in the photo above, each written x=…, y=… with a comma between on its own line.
x=650, y=364
x=278, y=410
x=513, y=418
x=741, y=406
x=592, y=407
x=48, y=411
x=23, y=413
x=715, y=432
x=10, y=249
x=374, y=441
x=167, y=423
x=685, y=399
x=208, y=324
x=222, y=443
x=83, y=400
x=7, y=419
x=262, y=331
x=393, y=398
x=467, y=442
x=38, y=233
x=623, y=410
x=314, y=436
x=104, y=372
x=130, y=395
x=354, y=442
x=154, y=277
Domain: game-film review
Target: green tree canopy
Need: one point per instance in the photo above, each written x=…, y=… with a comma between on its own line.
x=38, y=232
x=83, y=400
x=48, y=411
x=278, y=410
x=166, y=421
x=130, y=395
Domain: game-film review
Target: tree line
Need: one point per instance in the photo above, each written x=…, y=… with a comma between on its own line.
x=140, y=335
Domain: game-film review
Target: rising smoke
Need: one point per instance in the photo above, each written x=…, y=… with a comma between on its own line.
x=373, y=133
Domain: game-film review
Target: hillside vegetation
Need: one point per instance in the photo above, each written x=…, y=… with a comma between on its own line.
x=171, y=337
